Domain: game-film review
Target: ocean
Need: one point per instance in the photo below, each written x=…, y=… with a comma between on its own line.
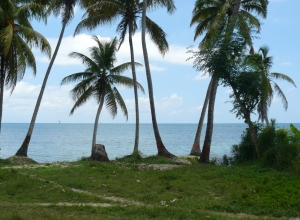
x=70, y=142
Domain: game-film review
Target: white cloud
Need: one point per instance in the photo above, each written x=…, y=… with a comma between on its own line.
x=196, y=109
x=286, y=63
x=167, y=103
x=201, y=76
x=228, y=91
x=81, y=42
x=56, y=104
x=170, y=102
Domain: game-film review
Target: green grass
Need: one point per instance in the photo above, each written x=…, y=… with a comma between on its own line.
x=190, y=192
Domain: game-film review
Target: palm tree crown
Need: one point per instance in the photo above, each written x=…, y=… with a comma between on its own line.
x=264, y=63
x=107, y=11
x=214, y=16
x=100, y=77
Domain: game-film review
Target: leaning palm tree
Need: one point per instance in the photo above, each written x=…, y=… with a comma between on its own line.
x=99, y=80
x=129, y=11
x=64, y=8
x=169, y=4
x=216, y=17
x=265, y=63
x=17, y=37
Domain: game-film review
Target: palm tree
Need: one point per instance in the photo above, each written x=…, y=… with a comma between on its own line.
x=17, y=37
x=265, y=63
x=222, y=16
x=65, y=8
x=169, y=4
x=105, y=12
x=99, y=80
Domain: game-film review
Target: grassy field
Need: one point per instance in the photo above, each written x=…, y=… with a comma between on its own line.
x=133, y=188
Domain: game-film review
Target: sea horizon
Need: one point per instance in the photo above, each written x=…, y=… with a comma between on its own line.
x=51, y=142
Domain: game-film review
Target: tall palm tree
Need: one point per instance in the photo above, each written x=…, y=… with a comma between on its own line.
x=148, y=4
x=223, y=16
x=265, y=63
x=17, y=37
x=64, y=8
x=99, y=80
x=129, y=11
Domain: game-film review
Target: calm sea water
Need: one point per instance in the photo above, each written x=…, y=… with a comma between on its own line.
x=69, y=142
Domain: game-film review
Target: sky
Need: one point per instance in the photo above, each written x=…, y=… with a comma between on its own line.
x=179, y=90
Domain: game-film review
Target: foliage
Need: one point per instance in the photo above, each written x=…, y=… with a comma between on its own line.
x=264, y=63
x=245, y=150
x=17, y=37
x=106, y=12
x=100, y=77
x=279, y=148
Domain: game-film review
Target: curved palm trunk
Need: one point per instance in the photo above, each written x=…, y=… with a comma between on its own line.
x=136, y=98
x=2, y=77
x=204, y=158
x=196, y=146
x=96, y=121
x=98, y=150
x=209, y=129
x=162, y=151
x=24, y=147
x=265, y=117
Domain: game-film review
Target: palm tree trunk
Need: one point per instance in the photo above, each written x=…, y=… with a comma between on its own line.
x=96, y=121
x=247, y=117
x=136, y=98
x=209, y=128
x=2, y=77
x=204, y=158
x=253, y=133
x=265, y=117
x=98, y=150
x=162, y=151
x=24, y=147
x=196, y=146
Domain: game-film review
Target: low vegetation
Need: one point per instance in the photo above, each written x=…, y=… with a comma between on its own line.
x=123, y=189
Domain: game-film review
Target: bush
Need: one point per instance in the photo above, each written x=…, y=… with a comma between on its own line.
x=279, y=148
x=245, y=150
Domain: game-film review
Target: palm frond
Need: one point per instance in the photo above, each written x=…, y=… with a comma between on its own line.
x=120, y=102
x=123, y=67
x=6, y=35
x=34, y=39
x=84, y=59
x=110, y=101
x=281, y=95
x=157, y=35
x=283, y=77
x=82, y=99
x=125, y=81
x=75, y=77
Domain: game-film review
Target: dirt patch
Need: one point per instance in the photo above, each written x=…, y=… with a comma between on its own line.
x=21, y=160
x=144, y=166
x=75, y=204
x=42, y=165
x=125, y=202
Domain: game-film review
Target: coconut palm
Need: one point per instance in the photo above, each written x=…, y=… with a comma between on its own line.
x=129, y=11
x=148, y=4
x=215, y=17
x=17, y=37
x=265, y=63
x=64, y=8
x=99, y=80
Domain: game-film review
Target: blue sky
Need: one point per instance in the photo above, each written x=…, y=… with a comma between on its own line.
x=179, y=89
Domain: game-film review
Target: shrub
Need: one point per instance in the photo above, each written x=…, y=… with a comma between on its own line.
x=279, y=148
x=245, y=150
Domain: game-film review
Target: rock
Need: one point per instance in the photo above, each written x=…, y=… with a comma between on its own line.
x=99, y=153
